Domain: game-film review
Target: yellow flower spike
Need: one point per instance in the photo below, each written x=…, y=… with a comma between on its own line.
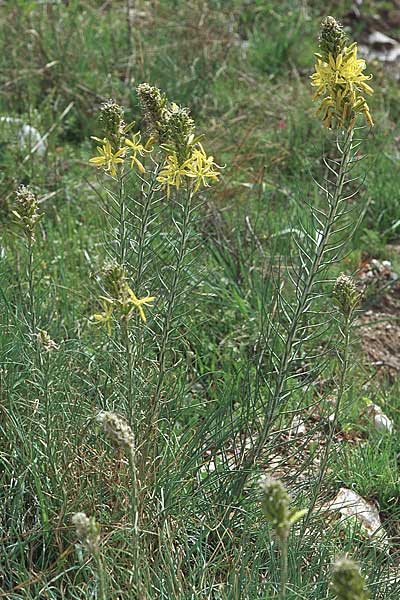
x=139, y=303
x=107, y=159
x=136, y=147
x=106, y=316
x=339, y=81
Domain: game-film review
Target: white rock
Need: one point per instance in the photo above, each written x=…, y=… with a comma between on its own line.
x=351, y=505
x=382, y=47
x=297, y=427
x=378, y=417
x=28, y=136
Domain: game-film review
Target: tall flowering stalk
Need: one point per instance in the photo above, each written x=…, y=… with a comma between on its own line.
x=346, y=297
x=185, y=169
x=341, y=85
x=115, y=151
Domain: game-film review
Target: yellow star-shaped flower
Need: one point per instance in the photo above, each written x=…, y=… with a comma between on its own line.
x=106, y=316
x=108, y=159
x=139, y=303
x=201, y=168
x=172, y=173
x=136, y=148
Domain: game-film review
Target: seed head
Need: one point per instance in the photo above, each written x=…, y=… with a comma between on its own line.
x=345, y=294
x=118, y=430
x=332, y=38
x=87, y=531
x=347, y=581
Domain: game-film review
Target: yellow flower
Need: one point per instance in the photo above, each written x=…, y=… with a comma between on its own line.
x=341, y=83
x=136, y=147
x=139, y=303
x=172, y=173
x=107, y=159
x=106, y=316
x=201, y=168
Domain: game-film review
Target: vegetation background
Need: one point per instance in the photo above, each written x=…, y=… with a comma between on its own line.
x=242, y=66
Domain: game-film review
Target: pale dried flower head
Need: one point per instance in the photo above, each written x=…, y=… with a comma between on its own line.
x=87, y=531
x=26, y=211
x=117, y=429
x=45, y=341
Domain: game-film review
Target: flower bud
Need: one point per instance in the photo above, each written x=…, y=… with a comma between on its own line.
x=347, y=581
x=332, y=38
x=345, y=294
x=112, y=120
x=153, y=104
x=115, y=281
x=178, y=127
x=275, y=503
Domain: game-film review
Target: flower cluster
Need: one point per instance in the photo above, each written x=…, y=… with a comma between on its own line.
x=347, y=580
x=173, y=127
x=198, y=167
x=26, y=211
x=346, y=295
x=275, y=503
x=168, y=124
x=339, y=79
x=120, y=300
x=115, y=146
x=117, y=430
x=87, y=531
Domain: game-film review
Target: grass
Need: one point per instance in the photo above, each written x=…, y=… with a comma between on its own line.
x=195, y=384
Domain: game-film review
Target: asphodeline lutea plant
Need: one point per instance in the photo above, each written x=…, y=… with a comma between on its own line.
x=120, y=302
x=276, y=506
x=115, y=147
x=339, y=78
x=186, y=161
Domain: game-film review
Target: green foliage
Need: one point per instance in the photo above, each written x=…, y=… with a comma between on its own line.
x=180, y=517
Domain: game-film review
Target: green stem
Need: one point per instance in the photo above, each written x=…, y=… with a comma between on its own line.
x=122, y=221
x=126, y=340
x=297, y=321
x=101, y=577
x=284, y=569
x=135, y=517
x=31, y=286
x=333, y=424
x=166, y=330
